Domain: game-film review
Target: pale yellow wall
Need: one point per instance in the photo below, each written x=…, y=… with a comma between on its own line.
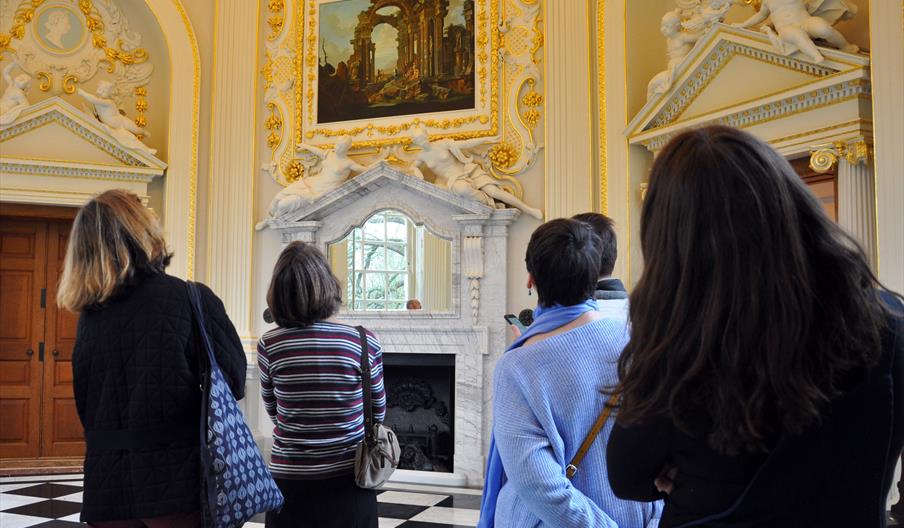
x=201, y=14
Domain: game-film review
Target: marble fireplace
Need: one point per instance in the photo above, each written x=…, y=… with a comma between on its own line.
x=461, y=337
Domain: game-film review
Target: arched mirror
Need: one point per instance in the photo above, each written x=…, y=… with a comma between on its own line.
x=392, y=264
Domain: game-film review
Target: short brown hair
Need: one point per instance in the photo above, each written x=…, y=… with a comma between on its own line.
x=114, y=240
x=303, y=289
x=563, y=257
x=605, y=229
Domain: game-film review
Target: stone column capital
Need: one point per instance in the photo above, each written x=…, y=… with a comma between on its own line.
x=825, y=156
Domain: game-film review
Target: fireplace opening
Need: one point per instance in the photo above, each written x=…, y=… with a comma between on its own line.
x=420, y=408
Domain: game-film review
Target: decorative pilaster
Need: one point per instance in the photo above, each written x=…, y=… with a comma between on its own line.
x=886, y=21
x=569, y=148
x=856, y=189
x=230, y=192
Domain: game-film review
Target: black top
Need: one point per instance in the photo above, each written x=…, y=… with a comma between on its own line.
x=836, y=474
x=137, y=390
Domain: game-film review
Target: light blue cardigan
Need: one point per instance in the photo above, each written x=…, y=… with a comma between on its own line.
x=546, y=398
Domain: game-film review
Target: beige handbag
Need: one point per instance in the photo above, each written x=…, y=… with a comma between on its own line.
x=378, y=454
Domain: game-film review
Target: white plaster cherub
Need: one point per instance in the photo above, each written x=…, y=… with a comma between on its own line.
x=714, y=11
x=123, y=129
x=678, y=45
x=794, y=24
x=14, y=98
x=333, y=170
x=459, y=173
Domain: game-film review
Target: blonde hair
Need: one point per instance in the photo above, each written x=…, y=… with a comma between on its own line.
x=114, y=239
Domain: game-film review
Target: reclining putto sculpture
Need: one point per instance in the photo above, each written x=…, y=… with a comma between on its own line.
x=332, y=169
x=794, y=24
x=457, y=171
x=123, y=129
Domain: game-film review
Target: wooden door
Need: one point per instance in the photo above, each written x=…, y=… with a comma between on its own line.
x=23, y=263
x=61, y=433
x=37, y=406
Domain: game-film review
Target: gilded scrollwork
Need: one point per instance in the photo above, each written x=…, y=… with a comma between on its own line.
x=824, y=157
x=65, y=46
x=507, y=65
x=45, y=81
x=70, y=83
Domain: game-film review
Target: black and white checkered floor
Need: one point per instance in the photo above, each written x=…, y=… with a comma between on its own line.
x=54, y=501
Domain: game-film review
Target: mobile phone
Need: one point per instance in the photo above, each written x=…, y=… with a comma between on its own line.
x=513, y=320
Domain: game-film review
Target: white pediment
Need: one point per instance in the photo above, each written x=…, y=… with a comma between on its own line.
x=735, y=77
x=384, y=186
x=54, y=153
x=53, y=132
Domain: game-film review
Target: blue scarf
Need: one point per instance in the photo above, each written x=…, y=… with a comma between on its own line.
x=546, y=319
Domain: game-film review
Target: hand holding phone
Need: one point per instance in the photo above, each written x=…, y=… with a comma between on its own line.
x=517, y=327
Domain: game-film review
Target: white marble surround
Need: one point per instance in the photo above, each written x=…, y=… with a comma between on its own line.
x=472, y=330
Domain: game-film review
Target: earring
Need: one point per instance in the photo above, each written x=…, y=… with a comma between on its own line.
x=529, y=292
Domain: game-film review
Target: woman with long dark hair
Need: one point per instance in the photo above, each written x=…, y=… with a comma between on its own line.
x=762, y=385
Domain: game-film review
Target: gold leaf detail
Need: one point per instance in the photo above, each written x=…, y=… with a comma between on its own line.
x=503, y=156
x=294, y=171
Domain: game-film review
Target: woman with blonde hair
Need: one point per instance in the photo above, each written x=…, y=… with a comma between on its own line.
x=136, y=367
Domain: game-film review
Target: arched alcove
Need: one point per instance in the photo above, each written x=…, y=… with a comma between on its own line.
x=180, y=184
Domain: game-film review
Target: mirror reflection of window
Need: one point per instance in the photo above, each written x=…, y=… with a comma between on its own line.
x=391, y=264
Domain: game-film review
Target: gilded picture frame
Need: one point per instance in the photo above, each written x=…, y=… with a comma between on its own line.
x=480, y=120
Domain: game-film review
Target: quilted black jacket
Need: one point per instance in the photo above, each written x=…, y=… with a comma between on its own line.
x=135, y=368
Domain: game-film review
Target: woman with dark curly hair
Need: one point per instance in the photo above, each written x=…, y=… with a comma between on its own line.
x=762, y=385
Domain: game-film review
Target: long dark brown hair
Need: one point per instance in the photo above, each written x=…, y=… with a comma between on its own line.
x=753, y=304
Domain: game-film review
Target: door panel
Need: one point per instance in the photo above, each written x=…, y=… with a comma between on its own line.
x=23, y=257
x=62, y=431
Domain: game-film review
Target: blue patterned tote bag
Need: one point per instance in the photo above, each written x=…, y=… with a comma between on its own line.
x=236, y=484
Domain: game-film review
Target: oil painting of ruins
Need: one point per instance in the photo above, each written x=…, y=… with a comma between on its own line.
x=383, y=58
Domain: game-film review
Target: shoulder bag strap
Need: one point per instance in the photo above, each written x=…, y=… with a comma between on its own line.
x=194, y=298
x=572, y=468
x=366, y=387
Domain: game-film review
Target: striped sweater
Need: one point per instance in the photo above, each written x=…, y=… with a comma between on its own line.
x=311, y=387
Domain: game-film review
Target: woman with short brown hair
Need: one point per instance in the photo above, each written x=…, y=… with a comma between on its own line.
x=310, y=369
x=135, y=367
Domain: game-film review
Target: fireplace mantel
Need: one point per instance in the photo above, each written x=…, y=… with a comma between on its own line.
x=473, y=329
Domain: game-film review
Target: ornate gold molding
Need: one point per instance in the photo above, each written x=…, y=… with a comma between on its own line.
x=509, y=98
x=274, y=124
x=24, y=14
x=487, y=67
x=824, y=157
x=115, y=54
x=45, y=81
x=141, y=106
x=276, y=20
x=69, y=84
x=603, y=156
